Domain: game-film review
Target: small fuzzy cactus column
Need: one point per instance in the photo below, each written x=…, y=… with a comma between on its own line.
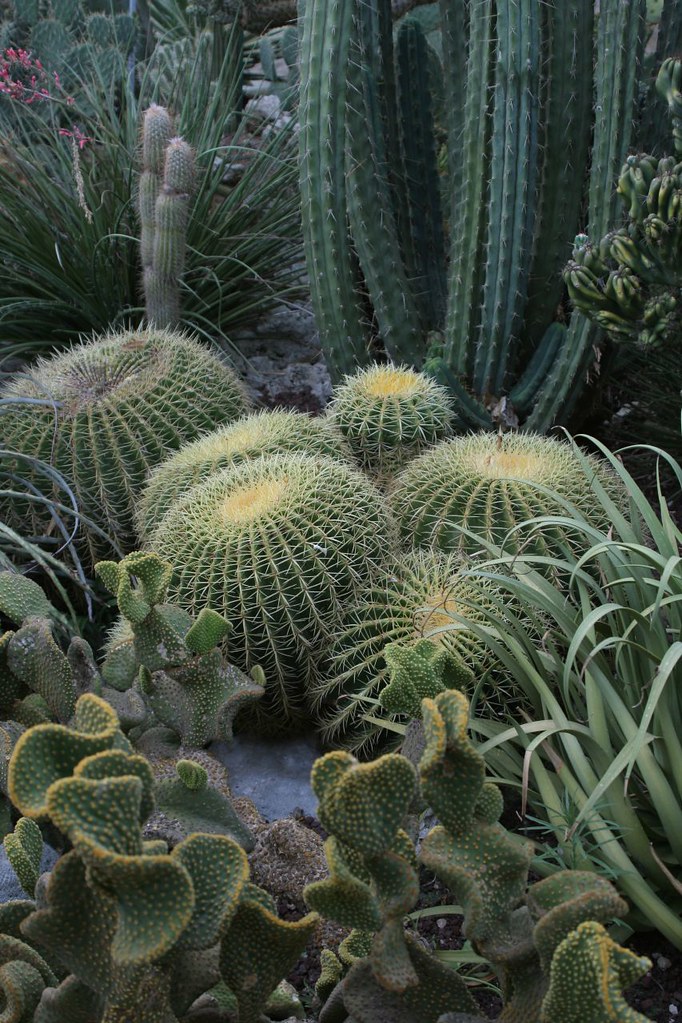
x=166, y=184
x=102, y=415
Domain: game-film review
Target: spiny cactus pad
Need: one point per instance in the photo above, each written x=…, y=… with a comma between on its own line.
x=588, y=974
x=262, y=433
x=416, y=597
x=389, y=414
x=103, y=414
x=277, y=545
x=24, y=850
x=489, y=485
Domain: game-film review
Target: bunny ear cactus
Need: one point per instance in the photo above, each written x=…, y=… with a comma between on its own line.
x=102, y=414
x=138, y=932
x=546, y=941
x=181, y=674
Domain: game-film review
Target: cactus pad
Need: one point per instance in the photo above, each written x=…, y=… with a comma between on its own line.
x=489, y=485
x=389, y=414
x=263, y=433
x=103, y=414
x=277, y=545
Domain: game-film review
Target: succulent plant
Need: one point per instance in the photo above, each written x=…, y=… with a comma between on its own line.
x=278, y=545
x=166, y=184
x=412, y=600
x=554, y=957
x=262, y=433
x=121, y=928
x=388, y=414
x=490, y=484
x=103, y=414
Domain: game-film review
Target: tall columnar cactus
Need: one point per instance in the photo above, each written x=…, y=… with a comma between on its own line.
x=521, y=81
x=489, y=485
x=262, y=433
x=278, y=545
x=389, y=414
x=103, y=414
x=546, y=941
x=411, y=601
x=122, y=929
x=166, y=184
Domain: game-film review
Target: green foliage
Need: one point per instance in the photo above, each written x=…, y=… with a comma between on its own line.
x=24, y=850
x=546, y=940
x=375, y=223
x=262, y=433
x=390, y=414
x=414, y=598
x=133, y=931
x=103, y=414
x=278, y=545
x=480, y=489
x=70, y=259
x=602, y=682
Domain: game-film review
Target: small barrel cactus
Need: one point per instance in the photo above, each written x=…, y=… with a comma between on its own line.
x=278, y=545
x=414, y=599
x=103, y=414
x=388, y=414
x=262, y=433
x=489, y=484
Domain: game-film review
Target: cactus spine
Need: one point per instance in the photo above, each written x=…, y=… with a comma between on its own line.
x=166, y=183
x=515, y=187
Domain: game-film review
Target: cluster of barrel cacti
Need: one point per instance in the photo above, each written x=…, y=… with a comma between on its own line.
x=546, y=940
x=468, y=274
x=629, y=281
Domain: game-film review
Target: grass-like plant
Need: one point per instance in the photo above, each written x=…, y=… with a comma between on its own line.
x=605, y=745
x=68, y=175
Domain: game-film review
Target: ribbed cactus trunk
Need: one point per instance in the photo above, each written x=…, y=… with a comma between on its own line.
x=526, y=86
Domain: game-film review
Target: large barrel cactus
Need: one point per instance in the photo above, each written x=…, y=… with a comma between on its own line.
x=103, y=414
x=491, y=484
x=262, y=433
x=388, y=414
x=415, y=599
x=278, y=545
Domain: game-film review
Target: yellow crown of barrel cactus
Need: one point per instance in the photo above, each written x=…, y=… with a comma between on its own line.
x=278, y=545
x=489, y=484
x=389, y=414
x=262, y=433
x=414, y=599
x=103, y=414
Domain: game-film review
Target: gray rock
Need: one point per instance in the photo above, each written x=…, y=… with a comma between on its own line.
x=274, y=773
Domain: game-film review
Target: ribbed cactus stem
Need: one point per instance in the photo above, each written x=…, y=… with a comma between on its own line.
x=469, y=219
x=370, y=205
x=171, y=214
x=156, y=132
x=332, y=266
x=618, y=59
x=565, y=139
x=512, y=209
x=669, y=86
